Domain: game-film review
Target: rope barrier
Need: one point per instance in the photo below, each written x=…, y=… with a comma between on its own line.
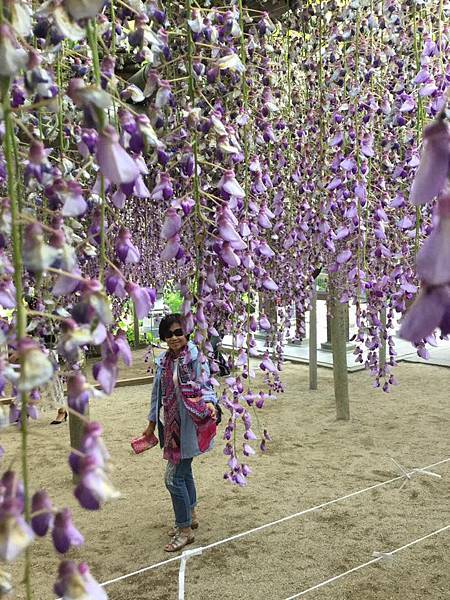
x=406, y=476
x=379, y=556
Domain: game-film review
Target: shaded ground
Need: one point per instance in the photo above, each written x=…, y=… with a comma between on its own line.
x=312, y=459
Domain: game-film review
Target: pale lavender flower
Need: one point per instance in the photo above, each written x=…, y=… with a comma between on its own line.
x=344, y=256
x=228, y=255
x=115, y=163
x=38, y=256
x=433, y=259
x=36, y=367
x=430, y=310
x=12, y=57
x=94, y=488
x=15, y=533
x=71, y=195
x=229, y=185
x=71, y=577
x=264, y=323
x=126, y=251
x=65, y=285
x=267, y=364
x=171, y=249
x=171, y=225
x=64, y=532
x=269, y=284
x=77, y=392
x=163, y=189
x=247, y=450
x=228, y=233
x=123, y=348
x=434, y=165
x=105, y=373
x=42, y=505
x=7, y=294
x=143, y=298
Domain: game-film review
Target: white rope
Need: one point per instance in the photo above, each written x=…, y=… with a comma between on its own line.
x=379, y=556
x=272, y=523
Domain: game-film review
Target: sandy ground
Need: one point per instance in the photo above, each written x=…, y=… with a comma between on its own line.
x=312, y=459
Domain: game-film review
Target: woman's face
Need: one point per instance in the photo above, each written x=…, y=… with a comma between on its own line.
x=176, y=342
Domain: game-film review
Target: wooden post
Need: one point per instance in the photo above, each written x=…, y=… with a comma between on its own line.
x=76, y=432
x=76, y=429
x=327, y=346
x=339, y=344
x=269, y=308
x=383, y=344
x=313, y=339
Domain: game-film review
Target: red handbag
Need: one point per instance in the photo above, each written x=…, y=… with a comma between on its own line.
x=143, y=443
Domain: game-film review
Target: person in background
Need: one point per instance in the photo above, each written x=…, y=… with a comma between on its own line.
x=183, y=406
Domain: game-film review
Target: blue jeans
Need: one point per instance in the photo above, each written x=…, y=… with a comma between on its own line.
x=181, y=485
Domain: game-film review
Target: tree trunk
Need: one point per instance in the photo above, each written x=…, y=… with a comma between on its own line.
x=339, y=343
x=313, y=340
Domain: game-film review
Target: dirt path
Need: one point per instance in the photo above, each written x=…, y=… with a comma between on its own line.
x=312, y=459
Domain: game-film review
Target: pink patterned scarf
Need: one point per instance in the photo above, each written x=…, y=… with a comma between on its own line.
x=194, y=403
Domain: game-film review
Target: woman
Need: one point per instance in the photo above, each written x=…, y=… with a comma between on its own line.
x=187, y=424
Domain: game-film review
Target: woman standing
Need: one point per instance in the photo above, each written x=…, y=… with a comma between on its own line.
x=186, y=425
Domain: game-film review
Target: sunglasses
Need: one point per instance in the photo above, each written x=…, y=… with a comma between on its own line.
x=177, y=333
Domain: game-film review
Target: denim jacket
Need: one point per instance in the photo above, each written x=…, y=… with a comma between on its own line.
x=189, y=443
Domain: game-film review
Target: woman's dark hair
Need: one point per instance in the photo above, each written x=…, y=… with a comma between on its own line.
x=167, y=322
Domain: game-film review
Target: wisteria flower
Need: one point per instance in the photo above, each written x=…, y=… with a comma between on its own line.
x=229, y=184
x=434, y=166
x=171, y=225
x=248, y=450
x=115, y=163
x=430, y=310
x=37, y=368
x=126, y=251
x=64, y=532
x=433, y=259
x=42, y=505
x=143, y=299
x=12, y=57
x=38, y=256
x=76, y=582
x=95, y=487
x=15, y=533
x=105, y=372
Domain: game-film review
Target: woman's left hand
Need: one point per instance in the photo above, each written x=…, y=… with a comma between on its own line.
x=212, y=408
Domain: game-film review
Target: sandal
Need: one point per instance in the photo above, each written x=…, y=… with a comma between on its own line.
x=174, y=530
x=178, y=542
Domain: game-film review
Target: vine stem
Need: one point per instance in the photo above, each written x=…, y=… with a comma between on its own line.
x=8, y=143
x=91, y=31
x=420, y=117
x=113, y=28
x=59, y=61
x=191, y=89
x=245, y=95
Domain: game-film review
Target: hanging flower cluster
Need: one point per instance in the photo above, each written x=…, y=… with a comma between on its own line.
x=431, y=309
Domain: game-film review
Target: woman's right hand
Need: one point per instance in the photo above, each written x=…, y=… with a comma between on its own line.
x=150, y=429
